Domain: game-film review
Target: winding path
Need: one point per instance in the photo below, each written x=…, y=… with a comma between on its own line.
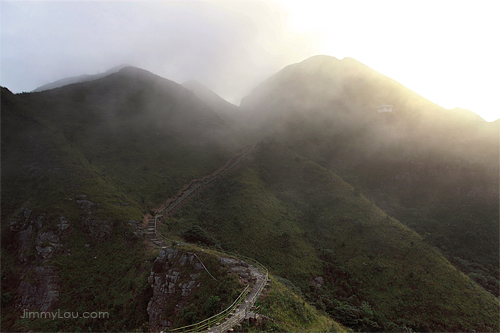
x=239, y=312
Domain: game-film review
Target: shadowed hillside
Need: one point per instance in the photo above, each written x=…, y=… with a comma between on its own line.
x=379, y=221
x=328, y=241
x=81, y=164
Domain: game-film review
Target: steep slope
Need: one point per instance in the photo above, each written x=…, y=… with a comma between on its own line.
x=122, y=126
x=232, y=115
x=318, y=233
x=216, y=102
x=80, y=164
x=436, y=170
x=77, y=79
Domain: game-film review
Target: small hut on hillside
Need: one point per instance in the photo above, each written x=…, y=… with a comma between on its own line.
x=384, y=108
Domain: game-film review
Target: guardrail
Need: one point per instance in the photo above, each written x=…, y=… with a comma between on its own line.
x=223, y=315
x=209, y=322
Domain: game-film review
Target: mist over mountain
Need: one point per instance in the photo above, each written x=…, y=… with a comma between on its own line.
x=366, y=220
x=210, y=98
x=415, y=162
x=78, y=79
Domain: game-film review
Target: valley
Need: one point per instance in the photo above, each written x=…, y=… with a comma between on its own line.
x=365, y=221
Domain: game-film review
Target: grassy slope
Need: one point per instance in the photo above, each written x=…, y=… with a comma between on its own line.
x=60, y=143
x=290, y=312
x=302, y=221
x=436, y=170
x=449, y=196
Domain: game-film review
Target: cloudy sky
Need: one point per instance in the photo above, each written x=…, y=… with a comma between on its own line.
x=447, y=51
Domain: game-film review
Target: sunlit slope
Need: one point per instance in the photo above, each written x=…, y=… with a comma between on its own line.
x=436, y=170
x=307, y=225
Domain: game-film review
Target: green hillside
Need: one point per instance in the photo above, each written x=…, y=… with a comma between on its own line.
x=366, y=221
x=435, y=170
x=341, y=251
x=80, y=164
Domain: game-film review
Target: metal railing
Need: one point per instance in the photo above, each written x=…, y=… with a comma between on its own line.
x=215, y=319
x=219, y=318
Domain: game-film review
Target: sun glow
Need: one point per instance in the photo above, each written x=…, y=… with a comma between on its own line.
x=442, y=50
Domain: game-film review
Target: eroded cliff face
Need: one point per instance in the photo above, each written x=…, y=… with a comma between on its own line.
x=173, y=278
x=36, y=243
x=176, y=275
x=36, y=239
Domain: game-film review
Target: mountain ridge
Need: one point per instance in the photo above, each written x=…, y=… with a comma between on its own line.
x=361, y=214
x=77, y=79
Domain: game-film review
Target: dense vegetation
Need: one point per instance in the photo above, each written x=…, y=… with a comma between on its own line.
x=343, y=253
x=436, y=170
x=286, y=311
x=377, y=222
x=105, y=151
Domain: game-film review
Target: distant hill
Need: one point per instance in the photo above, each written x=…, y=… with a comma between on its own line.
x=347, y=91
x=217, y=103
x=78, y=79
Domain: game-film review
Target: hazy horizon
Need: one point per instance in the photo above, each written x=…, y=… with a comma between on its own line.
x=231, y=47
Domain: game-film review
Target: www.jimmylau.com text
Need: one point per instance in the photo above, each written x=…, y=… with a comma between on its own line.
x=64, y=315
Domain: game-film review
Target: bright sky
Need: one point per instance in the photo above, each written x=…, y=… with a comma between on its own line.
x=446, y=51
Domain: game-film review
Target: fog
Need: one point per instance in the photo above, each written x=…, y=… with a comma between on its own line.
x=227, y=48
x=442, y=51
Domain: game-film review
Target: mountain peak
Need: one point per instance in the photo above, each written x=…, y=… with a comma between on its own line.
x=80, y=78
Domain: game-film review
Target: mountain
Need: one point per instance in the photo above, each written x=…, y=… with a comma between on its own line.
x=436, y=170
x=81, y=164
x=121, y=125
x=366, y=221
x=469, y=115
x=322, y=236
x=210, y=98
x=78, y=79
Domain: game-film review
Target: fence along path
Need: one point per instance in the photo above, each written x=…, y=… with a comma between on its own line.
x=242, y=306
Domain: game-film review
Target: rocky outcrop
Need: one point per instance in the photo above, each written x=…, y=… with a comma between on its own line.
x=41, y=291
x=174, y=276
x=98, y=228
x=39, y=285
x=139, y=229
x=247, y=274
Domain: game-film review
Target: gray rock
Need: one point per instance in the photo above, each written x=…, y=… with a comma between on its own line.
x=169, y=284
x=47, y=237
x=24, y=237
x=45, y=252
x=86, y=204
x=42, y=295
x=63, y=225
x=98, y=228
